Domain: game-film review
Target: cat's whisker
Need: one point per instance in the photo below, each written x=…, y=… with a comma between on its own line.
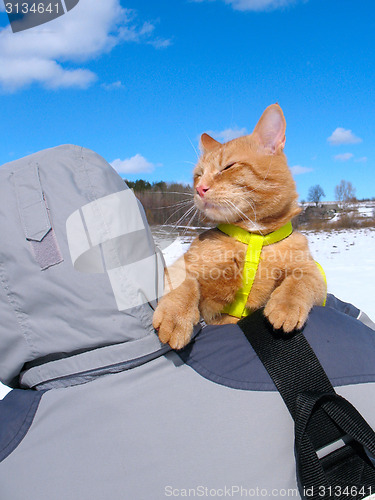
x=184, y=193
x=233, y=209
x=230, y=209
x=176, y=192
x=179, y=204
x=240, y=213
x=186, y=214
x=255, y=222
x=192, y=145
x=231, y=206
x=190, y=221
x=249, y=202
x=174, y=213
x=174, y=226
x=252, y=206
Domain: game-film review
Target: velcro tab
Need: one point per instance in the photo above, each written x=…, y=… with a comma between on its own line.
x=31, y=203
x=35, y=218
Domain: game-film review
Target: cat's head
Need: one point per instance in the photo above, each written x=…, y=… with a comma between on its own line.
x=247, y=181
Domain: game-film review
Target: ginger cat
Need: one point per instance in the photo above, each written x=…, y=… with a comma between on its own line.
x=247, y=183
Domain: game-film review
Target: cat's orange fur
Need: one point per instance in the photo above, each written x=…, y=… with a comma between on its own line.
x=245, y=182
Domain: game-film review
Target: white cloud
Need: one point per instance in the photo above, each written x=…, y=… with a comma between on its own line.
x=363, y=159
x=344, y=157
x=343, y=136
x=113, y=86
x=142, y=34
x=298, y=169
x=256, y=5
x=134, y=165
x=49, y=54
x=228, y=134
x=18, y=73
x=160, y=43
x=259, y=5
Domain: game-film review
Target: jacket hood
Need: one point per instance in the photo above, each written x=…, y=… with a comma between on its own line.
x=79, y=270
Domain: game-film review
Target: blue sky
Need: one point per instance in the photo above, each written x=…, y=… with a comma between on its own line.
x=138, y=81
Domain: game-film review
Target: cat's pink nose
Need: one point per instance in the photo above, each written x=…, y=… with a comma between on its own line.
x=202, y=190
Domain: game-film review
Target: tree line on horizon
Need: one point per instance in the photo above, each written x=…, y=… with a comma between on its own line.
x=172, y=202
x=166, y=203
x=344, y=194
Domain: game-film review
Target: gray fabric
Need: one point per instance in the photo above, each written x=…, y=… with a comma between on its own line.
x=344, y=346
x=92, y=361
x=366, y=320
x=14, y=346
x=31, y=204
x=58, y=309
x=133, y=434
x=104, y=236
x=88, y=365
x=350, y=310
x=341, y=306
x=17, y=412
x=47, y=252
x=87, y=376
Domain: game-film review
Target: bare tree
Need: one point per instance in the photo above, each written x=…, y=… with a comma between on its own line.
x=345, y=193
x=315, y=194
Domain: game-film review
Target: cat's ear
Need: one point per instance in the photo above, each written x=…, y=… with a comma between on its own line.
x=270, y=130
x=208, y=143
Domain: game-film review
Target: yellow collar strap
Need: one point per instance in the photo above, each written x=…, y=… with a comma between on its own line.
x=248, y=238
x=255, y=243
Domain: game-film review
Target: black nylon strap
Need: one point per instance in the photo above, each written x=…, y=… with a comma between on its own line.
x=321, y=416
x=289, y=359
x=294, y=369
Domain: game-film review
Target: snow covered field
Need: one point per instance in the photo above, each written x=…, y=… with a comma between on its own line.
x=347, y=256
x=348, y=259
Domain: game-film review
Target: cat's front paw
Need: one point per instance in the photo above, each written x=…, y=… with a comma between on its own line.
x=286, y=312
x=174, y=324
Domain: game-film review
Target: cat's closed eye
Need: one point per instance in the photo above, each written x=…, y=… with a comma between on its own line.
x=229, y=166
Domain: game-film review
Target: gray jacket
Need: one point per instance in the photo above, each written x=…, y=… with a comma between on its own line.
x=100, y=408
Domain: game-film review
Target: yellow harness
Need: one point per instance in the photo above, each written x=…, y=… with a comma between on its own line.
x=255, y=243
